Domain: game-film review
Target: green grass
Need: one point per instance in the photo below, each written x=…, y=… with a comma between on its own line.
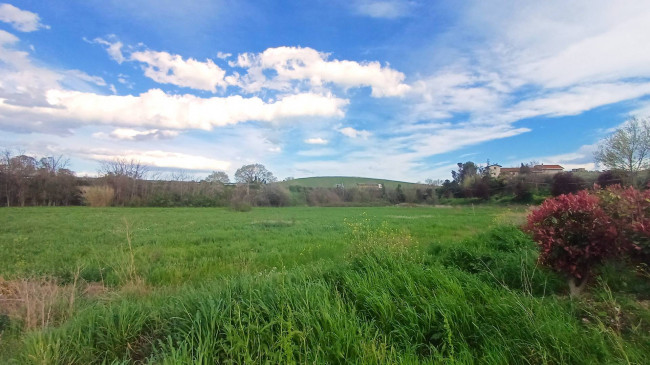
x=187, y=245
x=314, y=285
x=347, y=181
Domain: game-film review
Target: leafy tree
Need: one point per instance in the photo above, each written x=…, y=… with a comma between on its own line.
x=448, y=189
x=481, y=188
x=254, y=174
x=574, y=235
x=399, y=194
x=627, y=149
x=566, y=183
x=465, y=171
x=218, y=176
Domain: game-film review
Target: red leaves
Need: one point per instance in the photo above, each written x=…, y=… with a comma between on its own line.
x=577, y=232
x=630, y=212
x=574, y=233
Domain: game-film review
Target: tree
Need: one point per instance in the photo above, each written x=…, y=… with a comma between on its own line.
x=627, y=149
x=218, y=176
x=254, y=174
x=465, y=171
x=123, y=176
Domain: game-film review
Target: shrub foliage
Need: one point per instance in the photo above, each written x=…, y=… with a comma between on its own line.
x=574, y=234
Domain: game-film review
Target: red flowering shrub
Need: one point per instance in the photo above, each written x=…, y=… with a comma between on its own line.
x=629, y=210
x=574, y=234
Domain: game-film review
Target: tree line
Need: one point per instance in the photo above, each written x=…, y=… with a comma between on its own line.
x=47, y=181
x=26, y=180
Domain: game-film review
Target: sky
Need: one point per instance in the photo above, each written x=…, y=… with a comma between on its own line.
x=395, y=89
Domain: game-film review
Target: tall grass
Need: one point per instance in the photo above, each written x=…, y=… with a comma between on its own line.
x=380, y=307
x=98, y=196
x=397, y=291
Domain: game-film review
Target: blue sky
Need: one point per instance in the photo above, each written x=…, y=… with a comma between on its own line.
x=393, y=89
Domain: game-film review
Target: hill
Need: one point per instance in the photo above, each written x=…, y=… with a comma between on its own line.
x=347, y=181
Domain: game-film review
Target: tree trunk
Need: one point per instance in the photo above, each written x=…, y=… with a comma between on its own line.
x=577, y=286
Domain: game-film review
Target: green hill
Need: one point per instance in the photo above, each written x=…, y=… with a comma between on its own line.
x=347, y=181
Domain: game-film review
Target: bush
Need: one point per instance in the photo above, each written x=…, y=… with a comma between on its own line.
x=98, y=196
x=274, y=196
x=574, y=235
x=522, y=192
x=323, y=197
x=566, y=183
x=629, y=210
x=610, y=177
x=241, y=199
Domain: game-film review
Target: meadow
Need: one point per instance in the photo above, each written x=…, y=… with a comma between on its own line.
x=300, y=285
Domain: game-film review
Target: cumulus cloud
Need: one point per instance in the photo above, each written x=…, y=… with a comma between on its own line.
x=307, y=64
x=21, y=20
x=157, y=109
x=166, y=68
x=316, y=140
x=353, y=133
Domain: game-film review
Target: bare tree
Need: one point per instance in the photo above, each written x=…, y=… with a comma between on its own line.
x=5, y=174
x=123, y=175
x=627, y=149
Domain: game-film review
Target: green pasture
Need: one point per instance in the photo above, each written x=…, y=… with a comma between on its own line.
x=189, y=245
x=380, y=285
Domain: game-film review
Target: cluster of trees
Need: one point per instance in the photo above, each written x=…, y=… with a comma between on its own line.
x=26, y=180
x=473, y=181
x=132, y=184
x=625, y=154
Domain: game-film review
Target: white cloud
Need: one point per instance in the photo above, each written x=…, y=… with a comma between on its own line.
x=454, y=91
x=313, y=67
x=163, y=159
x=7, y=38
x=85, y=77
x=223, y=55
x=21, y=20
x=388, y=9
x=113, y=48
x=576, y=100
x=157, y=109
x=137, y=135
x=451, y=139
x=166, y=68
x=316, y=140
x=320, y=152
x=353, y=133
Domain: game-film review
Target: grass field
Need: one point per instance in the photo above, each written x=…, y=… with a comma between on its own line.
x=300, y=285
x=347, y=181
